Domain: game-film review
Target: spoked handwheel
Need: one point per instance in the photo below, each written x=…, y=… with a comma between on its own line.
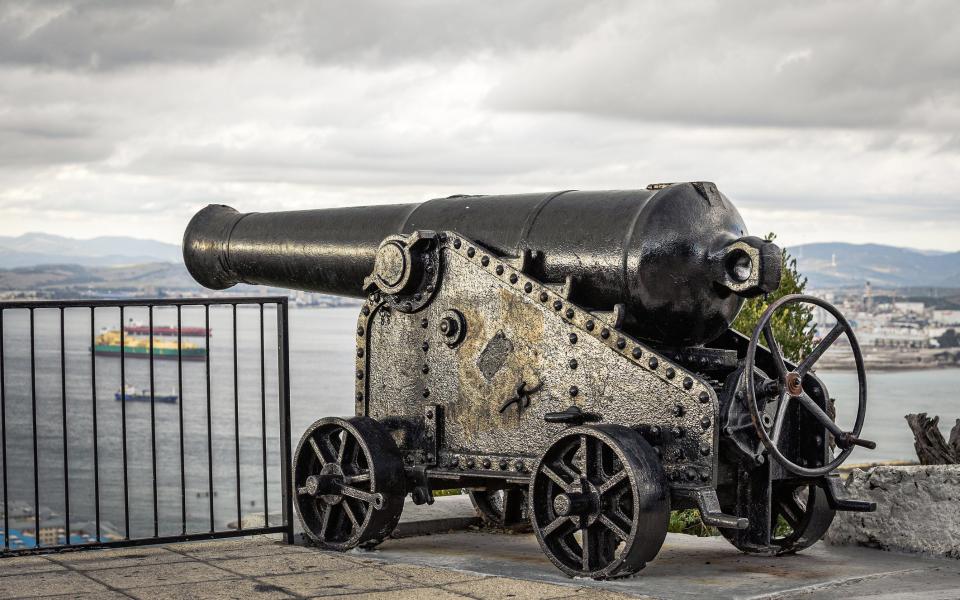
x=599, y=502
x=800, y=516
x=349, y=483
x=502, y=509
x=789, y=388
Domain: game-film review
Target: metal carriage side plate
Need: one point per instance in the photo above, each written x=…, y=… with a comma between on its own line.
x=525, y=351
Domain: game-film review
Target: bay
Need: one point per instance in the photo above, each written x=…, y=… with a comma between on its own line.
x=322, y=346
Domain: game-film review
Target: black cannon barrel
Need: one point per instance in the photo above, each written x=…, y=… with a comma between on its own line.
x=678, y=256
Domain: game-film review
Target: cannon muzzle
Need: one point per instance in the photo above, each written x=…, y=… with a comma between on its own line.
x=677, y=256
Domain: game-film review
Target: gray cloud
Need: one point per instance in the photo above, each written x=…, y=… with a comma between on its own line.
x=837, y=119
x=89, y=34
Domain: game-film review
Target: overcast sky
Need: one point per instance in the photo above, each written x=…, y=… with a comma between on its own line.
x=822, y=121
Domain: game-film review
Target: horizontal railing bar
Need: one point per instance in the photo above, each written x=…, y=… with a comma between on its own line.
x=150, y=541
x=12, y=304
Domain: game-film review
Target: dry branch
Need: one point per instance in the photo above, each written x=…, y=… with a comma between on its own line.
x=931, y=448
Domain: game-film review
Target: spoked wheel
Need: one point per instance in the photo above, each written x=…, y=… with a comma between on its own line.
x=349, y=483
x=789, y=388
x=800, y=517
x=502, y=509
x=599, y=502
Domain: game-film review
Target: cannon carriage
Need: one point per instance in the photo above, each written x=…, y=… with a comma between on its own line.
x=565, y=357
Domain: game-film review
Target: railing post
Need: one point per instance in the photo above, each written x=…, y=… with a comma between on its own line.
x=283, y=375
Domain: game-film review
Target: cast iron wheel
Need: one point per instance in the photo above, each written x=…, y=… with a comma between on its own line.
x=599, y=502
x=789, y=388
x=806, y=517
x=502, y=509
x=349, y=482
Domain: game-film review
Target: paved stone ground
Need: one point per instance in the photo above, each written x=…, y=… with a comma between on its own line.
x=475, y=565
x=256, y=568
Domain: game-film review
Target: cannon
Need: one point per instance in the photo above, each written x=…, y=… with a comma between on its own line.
x=567, y=358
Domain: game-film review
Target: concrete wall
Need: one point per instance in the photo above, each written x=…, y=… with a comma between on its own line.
x=918, y=510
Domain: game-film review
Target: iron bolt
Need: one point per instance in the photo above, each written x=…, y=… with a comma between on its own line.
x=678, y=410
x=426, y=394
x=621, y=343
x=637, y=352
x=456, y=243
x=360, y=330
x=425, y=346
x=499, y=269
x=504, y=464
x=573, y=338
x=569, y=313
x=705, y=449
x=454, y=461
x=359, y=396
x=424, y=323
x=557, y=305
x=705, y=422
x=429, y=414
x=544, y=296
x=687, y=383
x=513, y=278
x=704, y=397
x=359, y=373
x=604, y=333
x=365, y=310
x=425, y=369
x=653, y=362
x=574, y=390
x=471, y=463
x=678, y=432
x=359, y=352
x=485, y=261
x=573, y=363
x=528, y=287
x=589, y=325
x=690, y=473
x=519, y=466
x=408, y=306
x=670, y=373
x=759, y=459
x=486, y=463
x=471, y=251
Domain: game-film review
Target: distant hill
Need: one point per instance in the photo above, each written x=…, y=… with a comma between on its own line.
x=101, y=280
x=33, y=249
x=835, y=264
x=46, y=259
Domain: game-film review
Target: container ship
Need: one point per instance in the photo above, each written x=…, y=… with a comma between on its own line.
x=108, y=343
x=135, y=328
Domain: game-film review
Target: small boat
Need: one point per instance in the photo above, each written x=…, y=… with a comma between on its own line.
x=108, y=343
x=132, y=394
x=134, y=328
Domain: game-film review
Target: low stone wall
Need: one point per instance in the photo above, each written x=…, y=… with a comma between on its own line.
x=918, y=510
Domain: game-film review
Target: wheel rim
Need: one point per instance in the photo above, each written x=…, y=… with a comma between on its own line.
x=505, y=508
x=343, y=497
x=805, y=510
x=791, y=387
x=598, y=502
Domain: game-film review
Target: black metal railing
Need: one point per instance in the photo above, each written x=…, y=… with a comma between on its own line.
x=50, y=357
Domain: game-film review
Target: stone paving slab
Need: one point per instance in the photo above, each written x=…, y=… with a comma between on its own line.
x=691, y=567
x=475, y=565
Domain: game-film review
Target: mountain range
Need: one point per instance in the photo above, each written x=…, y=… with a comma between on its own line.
x=836, y=264
x=826, y=265
x=35, y=249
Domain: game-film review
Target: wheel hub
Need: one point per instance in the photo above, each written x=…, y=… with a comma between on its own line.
x=328, y=482
x=794, y=384
x=567, y=505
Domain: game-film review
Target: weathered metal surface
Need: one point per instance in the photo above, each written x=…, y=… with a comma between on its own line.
x=678, y=257
x=497, y=329
x=567, y=355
